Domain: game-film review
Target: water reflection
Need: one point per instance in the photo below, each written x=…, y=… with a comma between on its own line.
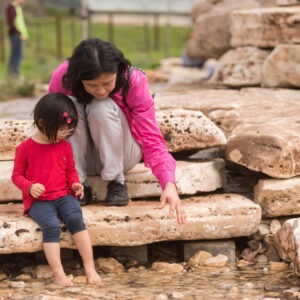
x=230, y=282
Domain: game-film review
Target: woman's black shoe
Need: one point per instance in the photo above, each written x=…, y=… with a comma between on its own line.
x=116, y=194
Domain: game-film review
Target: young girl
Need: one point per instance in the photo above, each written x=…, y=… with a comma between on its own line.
x=44, y=171
x=117, y=111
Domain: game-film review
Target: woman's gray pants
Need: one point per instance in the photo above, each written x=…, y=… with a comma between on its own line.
x=102, y=142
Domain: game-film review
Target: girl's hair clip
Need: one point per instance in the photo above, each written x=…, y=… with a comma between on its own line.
x=66, y=116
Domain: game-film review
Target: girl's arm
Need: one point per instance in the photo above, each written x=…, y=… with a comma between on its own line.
x=18, y=175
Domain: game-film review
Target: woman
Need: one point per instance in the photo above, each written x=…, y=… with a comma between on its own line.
x=116, y=111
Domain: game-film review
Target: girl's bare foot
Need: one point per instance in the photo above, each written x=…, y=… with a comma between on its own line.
x=92, y=276
x=61, y=278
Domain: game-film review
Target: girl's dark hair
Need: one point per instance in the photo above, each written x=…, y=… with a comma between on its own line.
x=91, y=58
x=53, y=111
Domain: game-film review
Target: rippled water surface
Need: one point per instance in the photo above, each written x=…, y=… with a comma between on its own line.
x=229, y=282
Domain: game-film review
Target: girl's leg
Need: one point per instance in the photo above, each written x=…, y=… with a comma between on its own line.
x=52, y=252
x=84, y=246
x=44, y=213
x=71, y=214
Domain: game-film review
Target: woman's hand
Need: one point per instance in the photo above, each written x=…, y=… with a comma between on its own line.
x=78, y=189
x=36, y=190
x=170, y=195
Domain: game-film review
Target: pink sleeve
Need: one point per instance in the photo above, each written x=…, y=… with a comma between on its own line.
x=155, y=152
x=56, y=84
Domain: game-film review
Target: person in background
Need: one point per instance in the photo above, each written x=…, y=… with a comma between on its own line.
x=17, y=32
x=44, y=171
x=116, y=113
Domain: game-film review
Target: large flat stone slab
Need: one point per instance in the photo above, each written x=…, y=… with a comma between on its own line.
x=182, y=130
x=278, y=197
x=191, y=178
x=141, y=222
x=265, y=27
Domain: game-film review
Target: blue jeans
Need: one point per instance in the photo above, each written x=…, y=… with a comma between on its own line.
x=16, y=55
x=48, y=213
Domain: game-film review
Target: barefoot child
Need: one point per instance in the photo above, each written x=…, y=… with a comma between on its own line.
x=44, y=171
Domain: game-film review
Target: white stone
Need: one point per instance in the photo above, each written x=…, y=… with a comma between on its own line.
x=139, y=223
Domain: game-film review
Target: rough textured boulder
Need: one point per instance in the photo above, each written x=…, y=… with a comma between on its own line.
x=287, y=241
x=272, y=149
x=282, y=67
x=211, y=217
x=265, y=27
x=212, y=21
x=187, y=130
x=240, y=67
x=12, y=133
x=278, y=197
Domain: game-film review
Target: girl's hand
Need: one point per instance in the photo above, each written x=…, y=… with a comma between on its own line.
x=78, y=189
x=36, y=190
x=170, y=195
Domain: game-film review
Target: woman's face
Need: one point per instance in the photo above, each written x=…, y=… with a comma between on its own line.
x=102, y=86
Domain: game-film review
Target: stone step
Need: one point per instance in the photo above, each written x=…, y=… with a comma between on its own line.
x=265, y=27
x=278, y=197
x=191, y=178
x=141, y=222
x=182, y=130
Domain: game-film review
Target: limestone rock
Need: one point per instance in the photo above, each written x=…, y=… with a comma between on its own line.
x=288, y=2
x=141, y=222
x=211, y=30
x=270, y=148
x=282, y=67
x=191, y=177
x=12, y=133
x=265, y=27
x=287, y=241
x=261, y=125
x=185, y=130
x=278, y=197
x=240, y=67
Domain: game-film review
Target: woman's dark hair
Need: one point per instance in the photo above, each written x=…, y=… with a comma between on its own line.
x=53, y=111
x=90, y=59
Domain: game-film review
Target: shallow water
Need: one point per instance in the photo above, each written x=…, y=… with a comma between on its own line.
x=230, y=282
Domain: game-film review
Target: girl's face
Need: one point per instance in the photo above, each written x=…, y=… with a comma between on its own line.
x=102, y=86
x=64, y=132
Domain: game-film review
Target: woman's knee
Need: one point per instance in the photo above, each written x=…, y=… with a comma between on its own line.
x=102, y=110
